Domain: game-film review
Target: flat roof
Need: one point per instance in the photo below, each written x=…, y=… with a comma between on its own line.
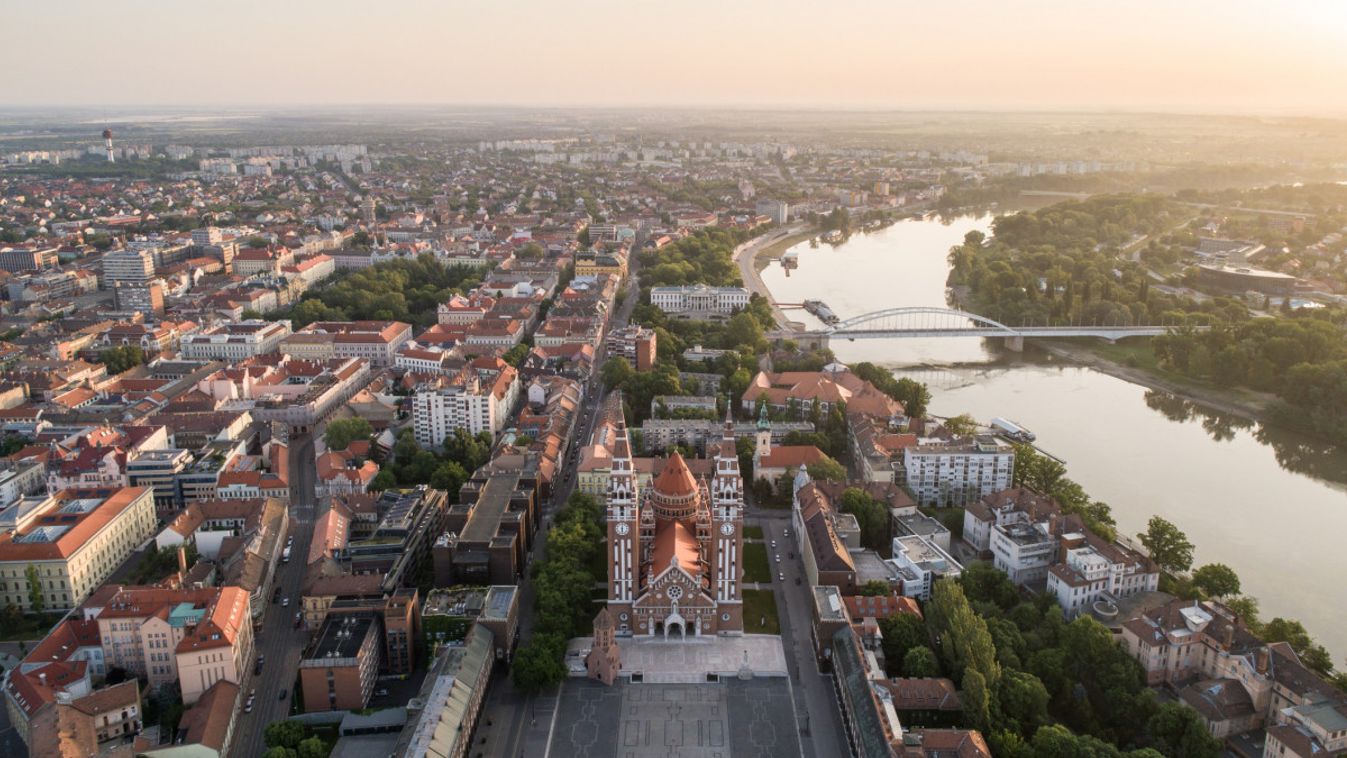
x=492, y=501
x=341, y=637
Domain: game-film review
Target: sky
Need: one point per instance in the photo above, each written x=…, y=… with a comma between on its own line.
x=1179, y=55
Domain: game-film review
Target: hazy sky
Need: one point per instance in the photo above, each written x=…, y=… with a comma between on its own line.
x=1194, y=55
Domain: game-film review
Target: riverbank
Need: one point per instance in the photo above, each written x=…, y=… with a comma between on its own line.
x=1114, y=361
x=746, y=255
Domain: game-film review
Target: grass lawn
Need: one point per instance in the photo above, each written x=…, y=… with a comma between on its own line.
x=760, y=606
x=753, y=532
x=756, y=567
x=1134, y=353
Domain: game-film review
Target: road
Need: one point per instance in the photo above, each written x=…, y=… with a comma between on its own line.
x=512, y=723
x=744, y=256
x=816, y=709
x=277, y=638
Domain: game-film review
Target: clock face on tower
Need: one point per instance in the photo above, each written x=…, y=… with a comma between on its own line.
x=623, y=528
x=727, y=529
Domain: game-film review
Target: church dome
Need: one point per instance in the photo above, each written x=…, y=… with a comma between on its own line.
x=675, y=491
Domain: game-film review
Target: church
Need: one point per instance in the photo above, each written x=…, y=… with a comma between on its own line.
x=676, y=546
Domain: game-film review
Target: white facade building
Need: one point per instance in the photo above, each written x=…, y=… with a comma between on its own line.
x=436, y=414
x=699, y=298
x=920, y=563
x=236, y=341
x=940, y=473
x=1096, y=570
x=134, y=266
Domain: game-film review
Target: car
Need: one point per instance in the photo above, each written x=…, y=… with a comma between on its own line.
x=773, y=544
x=785, y=533
x=248, y=707
x=380, y=692
x=299, y=619
x=257, y=670
x=252, y=693
x=284, y=694
x=778, y=557
x=781, y=576
x=285, y=602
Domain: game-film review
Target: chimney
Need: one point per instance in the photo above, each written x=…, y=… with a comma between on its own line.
x=182, y=560
x=1228, y=636
x=42, y=677
x=1260, y=660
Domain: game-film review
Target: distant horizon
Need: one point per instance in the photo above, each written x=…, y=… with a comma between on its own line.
x=119, y=110
x=1155, y=56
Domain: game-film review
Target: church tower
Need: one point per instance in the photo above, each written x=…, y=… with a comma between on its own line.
x=763, y=442
x=727, y=517
x=623, y=512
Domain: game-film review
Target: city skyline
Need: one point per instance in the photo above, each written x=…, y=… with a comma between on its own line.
x=1204, y=56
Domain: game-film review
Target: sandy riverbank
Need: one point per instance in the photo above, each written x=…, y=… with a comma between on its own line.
x=746, y=257
x=1236, y=402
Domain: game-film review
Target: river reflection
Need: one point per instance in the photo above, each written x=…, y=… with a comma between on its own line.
x=1265, y=501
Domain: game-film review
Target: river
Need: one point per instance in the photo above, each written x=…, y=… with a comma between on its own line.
x=1269, y=504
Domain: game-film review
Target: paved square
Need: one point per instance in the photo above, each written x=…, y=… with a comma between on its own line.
x=728, y=719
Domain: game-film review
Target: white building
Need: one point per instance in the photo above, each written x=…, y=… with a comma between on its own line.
x=699, y=298
x=1097, y=570
x=920, y=563
x=1023, y=550
x=942, y=473
x=236, y=341
x=134, y=266
x=474, y=406
x=777, y=210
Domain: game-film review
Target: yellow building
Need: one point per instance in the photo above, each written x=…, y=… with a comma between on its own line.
x=72, y=541
x=590, y=263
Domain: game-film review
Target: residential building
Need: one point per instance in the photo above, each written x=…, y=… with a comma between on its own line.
x=777, y=210
x=488, y=534
x=474, y=404
x=799, y=390
x=635, y=343
x=129, y=266
x=942, y=472
x=1094, y=573
x=207, y=728
x=339, y=670
x=920, y=564
x=191, y=637
x=69, y=542
x=1236, y=682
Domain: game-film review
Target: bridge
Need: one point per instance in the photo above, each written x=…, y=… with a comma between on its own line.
x=926, y=322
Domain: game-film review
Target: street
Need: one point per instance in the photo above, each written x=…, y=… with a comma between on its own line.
x=277, y=637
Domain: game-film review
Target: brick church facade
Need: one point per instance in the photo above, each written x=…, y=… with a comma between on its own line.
x=675, y=562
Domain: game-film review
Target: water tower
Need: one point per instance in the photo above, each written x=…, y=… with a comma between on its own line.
x=107, y=141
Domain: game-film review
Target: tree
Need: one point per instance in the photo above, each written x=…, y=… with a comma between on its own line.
x=1216, y=580
x=871, y=515
x=920, y=662
x=384, y=480
x=284, y=734
x=901, y=633
x=962, y=636
x=976, y=700
x=874, y=588
x=515, y=356
x=961, y=425
x=119, y=359
x=914, y=396
x=1176, y=729
x=1293, y=633
x=530, y=251
x=313, y=747
x=1168, y=546
x=342, y=432
x=538, y=665
x=827, y=470
x=280, y=752
x=616, y=372
x=1023, y=702
x=983, y=582
x=37, y=602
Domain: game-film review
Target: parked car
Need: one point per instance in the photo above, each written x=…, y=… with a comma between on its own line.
x=781, y=576
x=381, y=692
x=285, y=602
